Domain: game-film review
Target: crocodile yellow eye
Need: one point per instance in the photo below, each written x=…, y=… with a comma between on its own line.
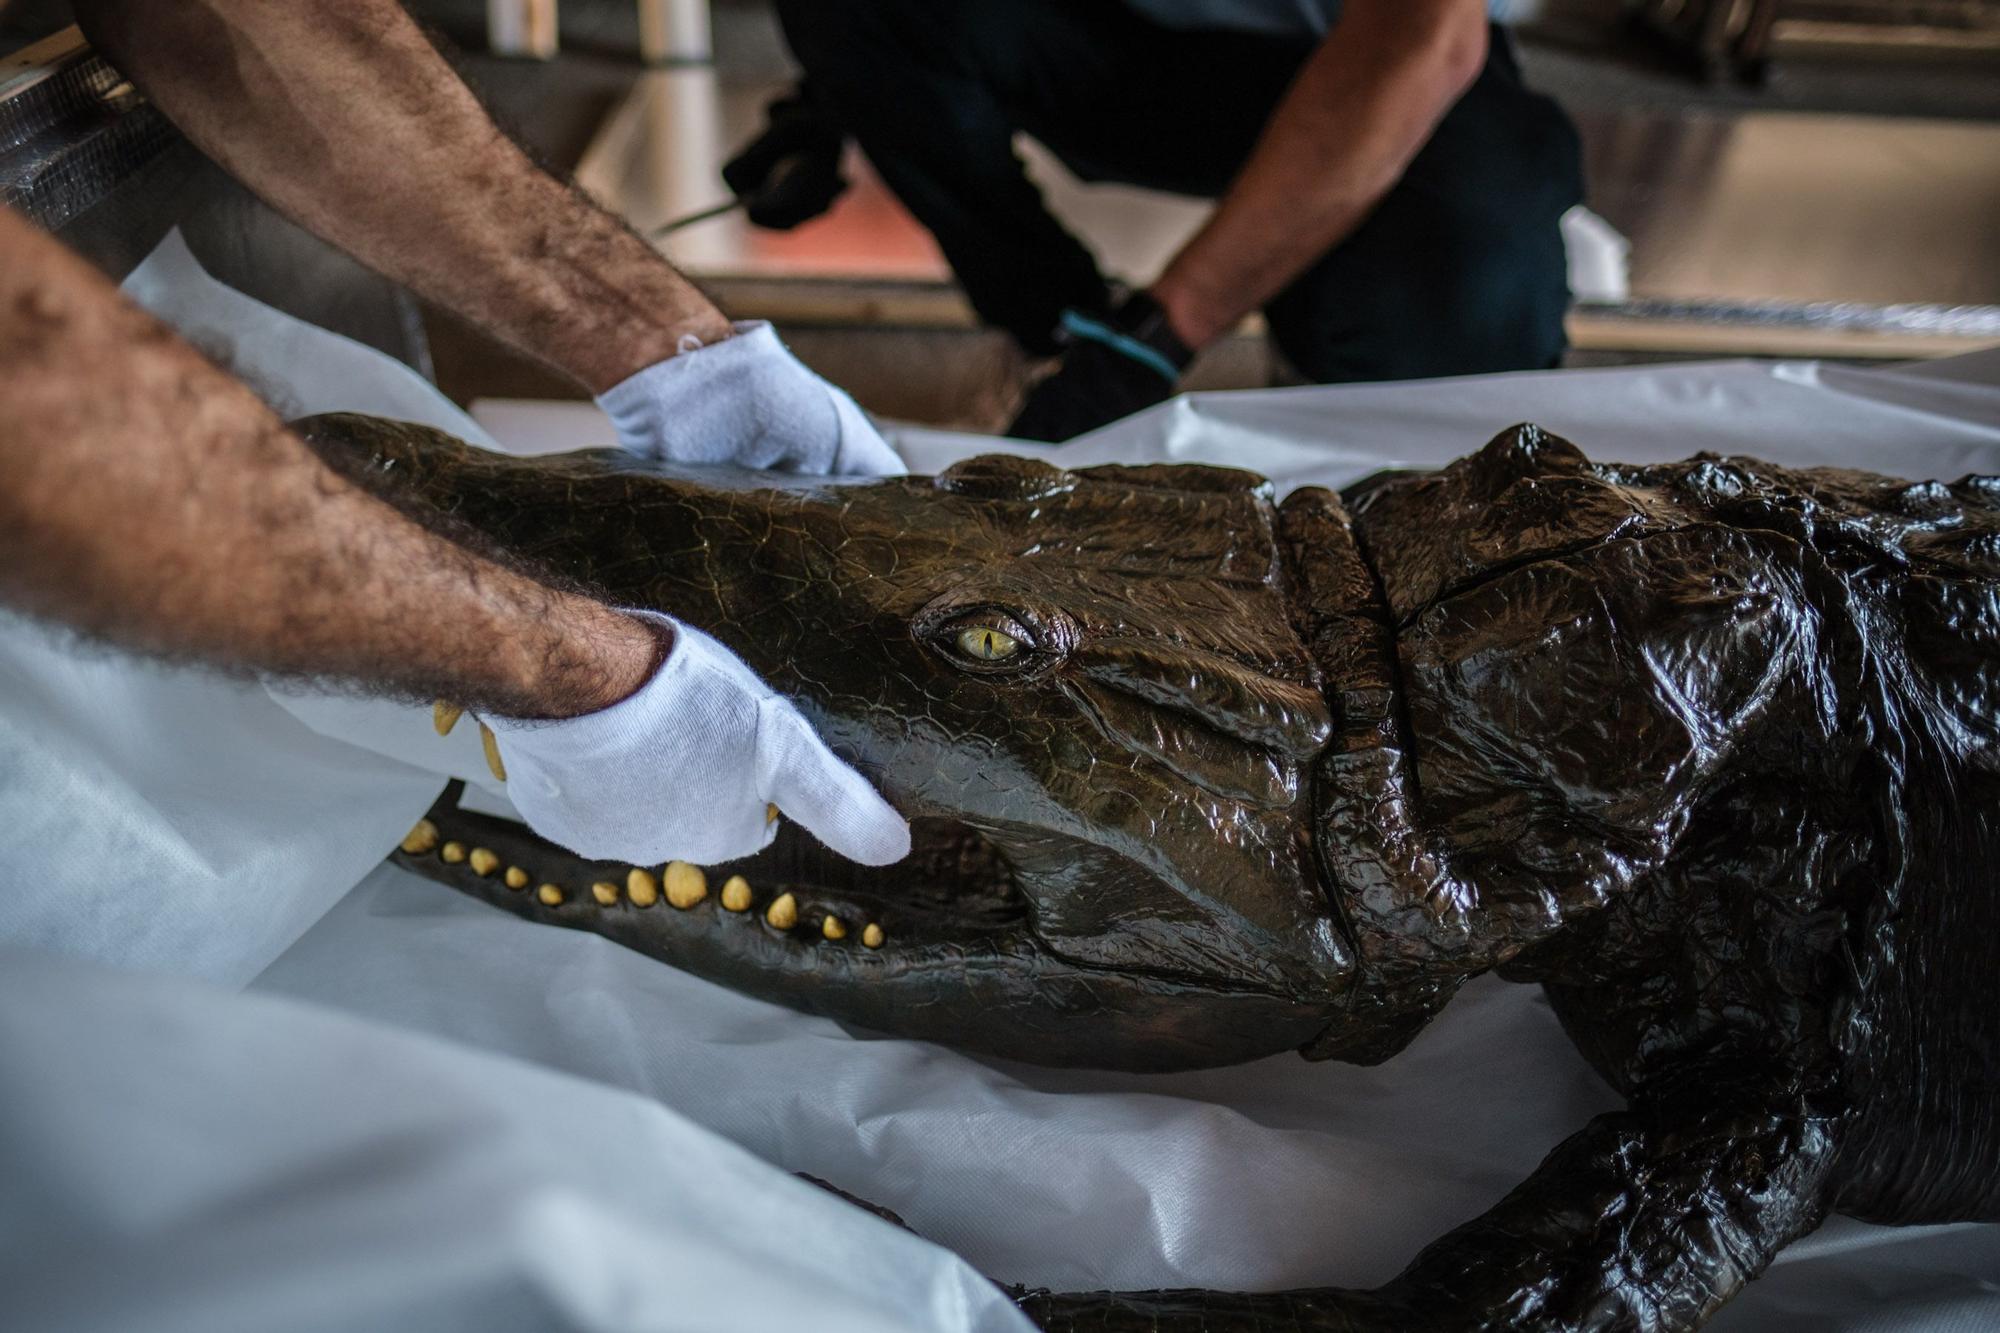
x=982, y=643
x=990, y=641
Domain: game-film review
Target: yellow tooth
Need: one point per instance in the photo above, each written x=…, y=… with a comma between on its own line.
x=492, y=744
x=421, y=839
x=770, y=813
x=642, y=888
x=550, y=895
x=833, y=927
x=605, y=892
x=783, y=912
x=686, y=885
x=736, y=894
x=872, y=936
x=452, y=852
x=445, y=716
x=484, y=861
x=515, y=878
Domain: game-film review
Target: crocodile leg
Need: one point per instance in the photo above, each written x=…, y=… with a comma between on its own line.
x=1643, y=1220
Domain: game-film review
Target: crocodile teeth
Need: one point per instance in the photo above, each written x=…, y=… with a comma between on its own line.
x=686, y=885
x=445, y=716
x=491, y=743
x=452, y=853
x=515, y=878
x=833, y=927
x=736, y=894
x=783, y=912
x=483, y=860
x=605, y=892
x=641, y=887
x=872, y=936
x=421, y=839
x=551, y=895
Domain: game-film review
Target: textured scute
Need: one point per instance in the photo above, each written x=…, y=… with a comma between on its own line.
x=1709, y=748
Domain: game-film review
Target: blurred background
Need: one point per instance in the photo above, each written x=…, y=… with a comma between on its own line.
x=1779, y=178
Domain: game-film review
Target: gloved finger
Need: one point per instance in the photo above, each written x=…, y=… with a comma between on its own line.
x=745, y=835
x=723, y=834
x=814, y=789
x=862, y=450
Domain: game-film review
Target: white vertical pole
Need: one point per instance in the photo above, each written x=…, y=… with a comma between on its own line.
x=522, y=28
x=675, y=32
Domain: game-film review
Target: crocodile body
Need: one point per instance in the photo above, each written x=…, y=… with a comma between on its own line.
x=1709, y=750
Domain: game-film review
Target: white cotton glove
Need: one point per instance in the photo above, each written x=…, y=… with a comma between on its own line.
x=684, y=769
x=745, y=400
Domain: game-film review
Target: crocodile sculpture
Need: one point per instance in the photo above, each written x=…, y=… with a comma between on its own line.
x=1710, y=750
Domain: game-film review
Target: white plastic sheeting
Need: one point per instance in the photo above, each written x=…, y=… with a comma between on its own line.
x=166, y=818
x=234, y=1162
x=1270, y=1175
x=1797, y=412
x=179, y=1159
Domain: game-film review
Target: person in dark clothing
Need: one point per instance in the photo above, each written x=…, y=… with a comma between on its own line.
x=1388, y=189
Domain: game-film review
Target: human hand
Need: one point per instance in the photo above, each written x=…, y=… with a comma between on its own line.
x=689, y=768
x=745, y=400
x=791, y=172
x=1113, y=367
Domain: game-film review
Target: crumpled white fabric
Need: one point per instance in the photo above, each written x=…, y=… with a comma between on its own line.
x=165, y=818
x=1912, y=424
x=745, y=400
x=687, y=768
x=168, y=818
x=178, y=1159
x=1264, y=1176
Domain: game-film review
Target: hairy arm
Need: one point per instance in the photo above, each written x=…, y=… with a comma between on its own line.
x=341, y=115
x=1361, y=107
x=150, y=501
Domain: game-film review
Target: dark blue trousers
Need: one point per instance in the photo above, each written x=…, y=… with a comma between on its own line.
x=1458, y=270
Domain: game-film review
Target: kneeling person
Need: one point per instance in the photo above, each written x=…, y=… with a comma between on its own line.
x=1388, y=190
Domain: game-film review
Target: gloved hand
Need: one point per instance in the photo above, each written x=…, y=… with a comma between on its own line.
x=745, y=400
x=791, y=172
x=685, y=768
x=1112, y=367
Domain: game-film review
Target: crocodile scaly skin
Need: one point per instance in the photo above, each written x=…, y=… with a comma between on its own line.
x=1709, y=750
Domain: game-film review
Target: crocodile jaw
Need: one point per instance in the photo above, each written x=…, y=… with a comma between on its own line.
x=956, y=962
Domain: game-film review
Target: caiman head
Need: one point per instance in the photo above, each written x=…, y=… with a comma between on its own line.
x=1084, y=689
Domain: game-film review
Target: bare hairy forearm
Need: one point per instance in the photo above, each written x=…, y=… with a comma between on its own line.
x=1362, y=106
x=150, y=501
x=341, y=115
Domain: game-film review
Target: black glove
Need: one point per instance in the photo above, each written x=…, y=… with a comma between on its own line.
x=1111, y=367
x=791, y=172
